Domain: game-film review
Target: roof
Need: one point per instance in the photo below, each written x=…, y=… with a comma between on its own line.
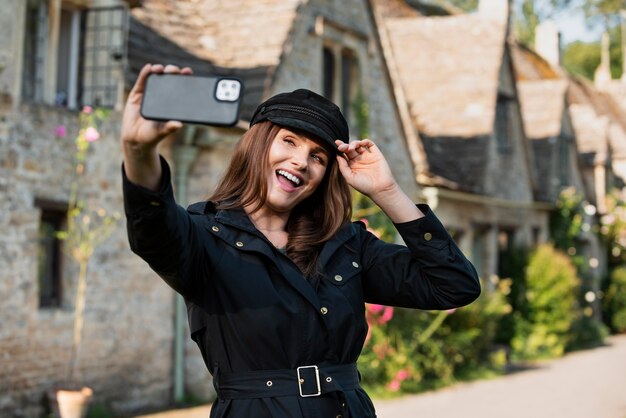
x=542, y=104
x=242, y=38
x=450, y=73
x=530, y=66
x=600, y=115
x=448, y=69
x=233, y=33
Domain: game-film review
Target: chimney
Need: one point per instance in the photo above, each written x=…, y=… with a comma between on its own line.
x=548, y=43
x=498, y=10
x=623, y=15
x=602, y=76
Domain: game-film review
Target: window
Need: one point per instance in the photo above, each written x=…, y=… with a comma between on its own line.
x=503, y=123
x=103, y=53
x=50, y=256
x=329, y=73
x=341, y=79
x=35, y=45
x=85, y=64
x=349, y=81
x=344, y=53
x=563, y=167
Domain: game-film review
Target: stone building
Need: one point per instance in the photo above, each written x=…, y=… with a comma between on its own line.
x=566, y=155
x=58, y=55
x=460, y=101
x=438, y=94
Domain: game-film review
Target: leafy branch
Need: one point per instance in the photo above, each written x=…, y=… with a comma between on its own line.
x=87, y=227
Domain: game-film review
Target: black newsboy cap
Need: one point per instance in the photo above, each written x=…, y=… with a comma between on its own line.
x=306, y=111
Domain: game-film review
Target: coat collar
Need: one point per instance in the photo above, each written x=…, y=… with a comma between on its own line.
x=241, y=229
x=239, y=219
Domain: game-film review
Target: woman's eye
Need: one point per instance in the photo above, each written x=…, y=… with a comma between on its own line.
x=288, y=141
x=318, y=158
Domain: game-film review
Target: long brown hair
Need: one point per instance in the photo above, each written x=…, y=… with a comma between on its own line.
x=312, y=222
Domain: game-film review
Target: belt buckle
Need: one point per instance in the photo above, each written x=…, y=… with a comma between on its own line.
x=317, y=381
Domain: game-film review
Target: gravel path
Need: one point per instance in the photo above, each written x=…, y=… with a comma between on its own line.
x=586, y=384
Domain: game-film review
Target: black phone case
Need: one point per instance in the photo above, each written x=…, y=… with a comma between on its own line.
x=188, y=98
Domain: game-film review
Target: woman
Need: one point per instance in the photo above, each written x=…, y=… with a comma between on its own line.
x=273, y=272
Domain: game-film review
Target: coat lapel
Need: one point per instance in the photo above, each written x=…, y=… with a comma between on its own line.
x=244, y=236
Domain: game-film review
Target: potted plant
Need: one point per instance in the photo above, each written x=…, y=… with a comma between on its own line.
x=87, y=227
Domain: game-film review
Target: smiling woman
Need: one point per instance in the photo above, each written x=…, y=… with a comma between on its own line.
x=274, y=274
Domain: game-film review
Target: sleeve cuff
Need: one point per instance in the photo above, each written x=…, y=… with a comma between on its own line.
x=139, y=199
x=427, y=230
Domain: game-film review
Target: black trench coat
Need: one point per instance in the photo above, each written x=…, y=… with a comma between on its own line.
x=251, y=309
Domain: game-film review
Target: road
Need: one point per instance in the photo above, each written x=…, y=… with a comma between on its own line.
x=585, y=384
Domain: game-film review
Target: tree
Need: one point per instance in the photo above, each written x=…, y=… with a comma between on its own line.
x=583, y=58
x=607, y=10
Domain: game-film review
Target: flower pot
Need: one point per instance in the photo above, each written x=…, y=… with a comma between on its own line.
x=73, y=403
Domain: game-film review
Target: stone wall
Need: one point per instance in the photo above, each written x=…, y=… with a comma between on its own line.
x=126, y=355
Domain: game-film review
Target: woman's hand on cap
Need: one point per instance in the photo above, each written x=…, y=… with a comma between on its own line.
x=364, y=167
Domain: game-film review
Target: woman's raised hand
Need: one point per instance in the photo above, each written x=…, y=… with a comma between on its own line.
x=136, y=129
x=365, y=168
x=140, y=137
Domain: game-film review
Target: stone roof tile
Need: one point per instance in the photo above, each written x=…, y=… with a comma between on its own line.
x=449, y=69
x=542, y=105
x=234, y=33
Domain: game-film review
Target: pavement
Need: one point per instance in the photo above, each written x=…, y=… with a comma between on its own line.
x=584, y=384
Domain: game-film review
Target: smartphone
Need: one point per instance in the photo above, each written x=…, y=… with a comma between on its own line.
x=206, y=100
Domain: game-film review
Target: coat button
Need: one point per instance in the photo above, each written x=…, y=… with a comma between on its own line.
x=428, y=236
x=269, y=383
x=215, y=228
x=355, y=264
x=324, y=310
x=239, y=244
x=338, y=278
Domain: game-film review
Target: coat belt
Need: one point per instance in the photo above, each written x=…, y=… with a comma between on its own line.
x=304, y=381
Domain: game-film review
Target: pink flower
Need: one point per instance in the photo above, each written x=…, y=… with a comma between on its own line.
x=92, y=134
x=402, y=375
x=394, y=385
x=87, y=109
x=374, y=308
x=60, y=131
x=387, y=315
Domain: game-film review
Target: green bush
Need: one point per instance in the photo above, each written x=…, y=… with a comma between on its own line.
x=551, y=307
x=418, y=350
x=615, y=300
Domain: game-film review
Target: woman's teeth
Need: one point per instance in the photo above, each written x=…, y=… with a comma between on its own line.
x=295, y=180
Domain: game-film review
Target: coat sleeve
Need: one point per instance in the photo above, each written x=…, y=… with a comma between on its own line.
x=163, y=233
x=430, y=272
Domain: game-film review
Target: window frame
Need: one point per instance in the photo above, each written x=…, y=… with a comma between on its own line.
x=503, y=126
x=54, y=57
x=345, y=45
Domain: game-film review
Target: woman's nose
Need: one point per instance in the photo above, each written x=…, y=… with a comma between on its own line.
x=299, y=160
